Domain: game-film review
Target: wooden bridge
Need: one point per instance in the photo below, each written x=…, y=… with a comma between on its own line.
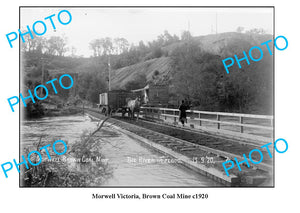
x=158, y=128
x=257, y=128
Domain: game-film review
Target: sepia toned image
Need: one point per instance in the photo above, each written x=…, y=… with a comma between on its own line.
x=146, y=96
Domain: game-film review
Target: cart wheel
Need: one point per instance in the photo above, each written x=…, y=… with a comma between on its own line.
x=123, y=112
x=108, y=111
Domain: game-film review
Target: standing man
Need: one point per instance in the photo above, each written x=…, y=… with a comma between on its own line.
x=182, y=112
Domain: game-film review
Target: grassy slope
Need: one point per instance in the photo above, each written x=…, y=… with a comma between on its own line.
x=224, y=44
x=121, y=76
x=220, y=44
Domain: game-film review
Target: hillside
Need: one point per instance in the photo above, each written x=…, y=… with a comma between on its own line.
x=217, y=43
x=192, y=68
x=124, y=75
x=223, y=45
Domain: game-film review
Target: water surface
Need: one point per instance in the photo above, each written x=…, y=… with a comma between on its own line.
x=132, y=163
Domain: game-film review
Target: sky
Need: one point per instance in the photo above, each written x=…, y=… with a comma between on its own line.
x=136, y=24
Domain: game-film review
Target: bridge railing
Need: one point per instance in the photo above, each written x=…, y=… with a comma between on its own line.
x=236, y=122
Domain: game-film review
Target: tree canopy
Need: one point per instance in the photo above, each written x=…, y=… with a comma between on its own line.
x=196, y=72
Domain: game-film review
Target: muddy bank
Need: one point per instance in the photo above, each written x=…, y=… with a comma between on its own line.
x=41, y=111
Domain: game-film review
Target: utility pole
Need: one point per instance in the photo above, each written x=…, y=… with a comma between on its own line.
x=189, y=31
x=43, y=77
x=109, y=71
x=216, y=23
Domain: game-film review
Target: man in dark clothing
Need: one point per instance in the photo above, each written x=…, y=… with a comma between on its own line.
x=182, y=112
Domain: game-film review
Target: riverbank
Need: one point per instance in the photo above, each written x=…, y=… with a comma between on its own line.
x=50, y=112
x=78, y=167
x=151, y=168
x=62, y=111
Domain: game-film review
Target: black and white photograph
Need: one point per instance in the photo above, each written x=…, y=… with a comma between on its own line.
x=149, y=106
x=146, y=96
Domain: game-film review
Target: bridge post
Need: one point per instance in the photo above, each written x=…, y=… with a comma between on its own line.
x=158, y=114
x=218, y=119
x=241, y=122
x=200, y=118
x=174, y=116
x=271, y=120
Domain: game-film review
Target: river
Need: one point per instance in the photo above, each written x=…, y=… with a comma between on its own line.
x=132, y=164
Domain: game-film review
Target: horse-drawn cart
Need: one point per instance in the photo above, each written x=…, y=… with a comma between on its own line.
x=114, y=101
x=130, y=101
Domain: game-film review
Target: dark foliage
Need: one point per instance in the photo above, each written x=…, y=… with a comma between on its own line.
x=139, y=82
x=68, y=170
x=34, y=110
x=197, y=72
x=200, y=77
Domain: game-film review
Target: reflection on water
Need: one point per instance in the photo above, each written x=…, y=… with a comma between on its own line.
x=132, y=163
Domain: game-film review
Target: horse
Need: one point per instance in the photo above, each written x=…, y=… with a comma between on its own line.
x=134, y=106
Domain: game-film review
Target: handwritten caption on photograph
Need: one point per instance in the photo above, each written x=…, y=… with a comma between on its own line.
x=8, y=165
x=164, y=160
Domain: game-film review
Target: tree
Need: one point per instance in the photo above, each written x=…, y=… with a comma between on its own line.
x=95, y=45
x=195, y=75
x=38, y=44
x=186, y=35
x=168, y=38
x=140, y=81
x=102, y=46
x=56, y=45
x=84, y=82
x=155, y=75
x=240, y=29
x=175, y=38
x=121, y=45
x=107, y=46
x=157, y=52
x=142, y=47
x=73, y=51
x=257, y=31
x=97, y=86
x=91, y=84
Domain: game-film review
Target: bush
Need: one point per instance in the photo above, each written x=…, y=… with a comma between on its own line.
x=65, y=173
x=157, y=52
x=33, y=110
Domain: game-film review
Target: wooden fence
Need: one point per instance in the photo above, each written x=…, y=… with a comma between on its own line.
x=218, y=120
